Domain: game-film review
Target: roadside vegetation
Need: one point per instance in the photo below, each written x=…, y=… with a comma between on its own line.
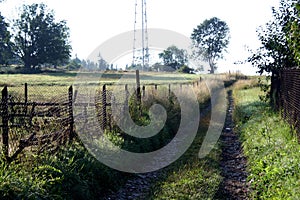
x=191, y=177
x=73, y=173
x=270, y=145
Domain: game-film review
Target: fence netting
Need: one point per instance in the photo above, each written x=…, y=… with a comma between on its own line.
x=37, y=118
x=41, y=117
x=290, y=97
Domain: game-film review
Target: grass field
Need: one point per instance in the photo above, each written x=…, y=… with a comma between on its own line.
x=49, y=86
x=68, y=78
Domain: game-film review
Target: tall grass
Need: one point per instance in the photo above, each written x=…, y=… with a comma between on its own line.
x=191, y=177
x=72, y=173
x=270, y=145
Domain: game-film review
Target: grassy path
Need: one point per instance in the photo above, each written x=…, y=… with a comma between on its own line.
x=233, y=162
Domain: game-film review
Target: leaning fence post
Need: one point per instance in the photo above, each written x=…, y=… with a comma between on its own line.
x=104, y=120
x=5, y=122
x=71, y=118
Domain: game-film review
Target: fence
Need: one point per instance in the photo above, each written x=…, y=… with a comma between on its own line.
x=290, y=96
x=26, y=123
x=29, y=120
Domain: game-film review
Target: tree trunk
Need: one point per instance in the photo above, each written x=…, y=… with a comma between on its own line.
x=212, y=67
x=275, y=90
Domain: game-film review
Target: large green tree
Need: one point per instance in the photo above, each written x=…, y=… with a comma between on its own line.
x=276, y=52
x=210, y=39
x=174, y=57
x=6, y=46
x=39, y=39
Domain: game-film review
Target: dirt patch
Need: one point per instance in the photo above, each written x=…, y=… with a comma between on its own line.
x=233, y=162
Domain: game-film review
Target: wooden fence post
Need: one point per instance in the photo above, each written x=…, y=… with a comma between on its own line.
x=126, y=95
x=26, y=93
x=138, y=88
x=71, y=117
x=104, y=117
x=5, y=128
x=26, y=99
x=144, y=91
x=169, y=90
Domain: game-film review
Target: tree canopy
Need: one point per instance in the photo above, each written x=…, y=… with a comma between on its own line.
x=209, y=40
x=294, y=36
x=174, y=57
x=39, y=39
x=279, y=45
x=276, y=52
x=6, y=46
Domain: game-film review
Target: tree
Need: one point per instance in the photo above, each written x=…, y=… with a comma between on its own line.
x=294, y=36
x=103, y=65
x=276, y=52
x=39, y=39
x=209, y=40
x=6, y=46
x=185, y=69
x=174, y=57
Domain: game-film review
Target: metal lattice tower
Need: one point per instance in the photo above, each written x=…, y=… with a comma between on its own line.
x=144, y=58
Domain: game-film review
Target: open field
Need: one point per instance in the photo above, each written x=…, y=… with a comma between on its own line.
x=52, y=85
x=68, y=78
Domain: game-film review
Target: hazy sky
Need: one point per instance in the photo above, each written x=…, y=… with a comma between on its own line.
x=92, y=22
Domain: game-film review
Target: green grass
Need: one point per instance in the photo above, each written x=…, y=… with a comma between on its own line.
x=68, y=78
x=270, y=145
x=49, y=86
x=73, y=173
x=191, y=177
x=70, y=174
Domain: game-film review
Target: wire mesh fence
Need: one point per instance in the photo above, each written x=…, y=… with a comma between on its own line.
x=32, y=118
x=41, y=117
x=290, y=97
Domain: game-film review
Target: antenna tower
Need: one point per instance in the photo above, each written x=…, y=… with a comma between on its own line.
x=144, y=58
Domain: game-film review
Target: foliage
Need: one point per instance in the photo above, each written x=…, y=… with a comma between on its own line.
x=39, y=40
x=275, y=53
x=294, y=36
x=209, y=40
x=102, y=64
x=185, y=69
x=190, y=177
x=6, y=46
x=74, y=64
x=174, y=57
x=270, y=145
x=70, y=174
x=73, y=173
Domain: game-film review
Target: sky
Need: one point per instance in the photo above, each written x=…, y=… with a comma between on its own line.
x=93, y=22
